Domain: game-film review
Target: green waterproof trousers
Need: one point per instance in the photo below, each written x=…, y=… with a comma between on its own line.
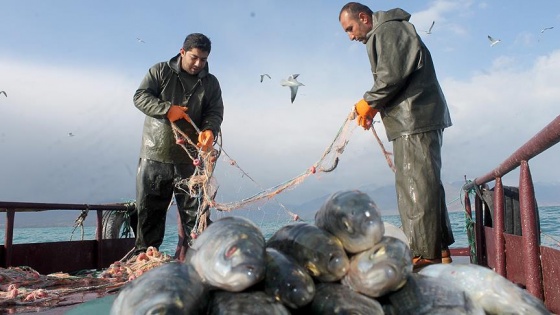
x=420, y=193
x=156, y=183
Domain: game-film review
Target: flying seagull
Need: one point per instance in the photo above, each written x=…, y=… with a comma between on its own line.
x=430, y=30
x=70, y=134
x=293, y=84
x=264, y=75
x=547, y=28
x=3, y=92
x=493, y=41
x=140, y=40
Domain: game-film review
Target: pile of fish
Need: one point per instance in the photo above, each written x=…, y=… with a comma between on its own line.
x=345, y=263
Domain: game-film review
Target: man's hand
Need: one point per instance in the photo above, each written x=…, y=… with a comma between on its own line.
x=205, y=140
x=365, y=114
x=177, y=112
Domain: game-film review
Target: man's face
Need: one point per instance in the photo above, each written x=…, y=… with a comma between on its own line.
x=356, y=29
x=193, y=60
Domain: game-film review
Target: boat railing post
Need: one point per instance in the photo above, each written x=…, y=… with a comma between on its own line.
x=9, y=238
x=479, y=232
x=498, y=224
x=530, y=236
x=99, y=237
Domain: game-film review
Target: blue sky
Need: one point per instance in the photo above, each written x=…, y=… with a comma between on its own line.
x=73, y=66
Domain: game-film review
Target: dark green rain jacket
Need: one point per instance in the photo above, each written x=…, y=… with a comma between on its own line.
x=406, y=90
x=165, y=84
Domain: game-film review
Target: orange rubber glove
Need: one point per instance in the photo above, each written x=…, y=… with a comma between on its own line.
x=365, y=114
x=205, y=140
x=177, y=112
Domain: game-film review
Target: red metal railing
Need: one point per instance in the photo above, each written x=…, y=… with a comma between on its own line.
x=105, y=250
x=498, y=249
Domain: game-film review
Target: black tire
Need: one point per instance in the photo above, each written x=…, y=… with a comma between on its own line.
x=512, y=215
x=117, y=224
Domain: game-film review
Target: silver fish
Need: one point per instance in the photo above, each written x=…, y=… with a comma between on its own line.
x=172, y=288
x=319, y=252
x=353, y=218
x=335, y=299
x=229, y=254
x=381, y=269
x=287, y=281
x=394, y=231
x=246, y=303
x=496, y=294
x=423, y=295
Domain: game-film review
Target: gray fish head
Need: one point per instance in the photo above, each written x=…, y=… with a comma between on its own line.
x=297, y=290
x=332, y=263
x=229, y=255
x=352, y=217
x=238, y=264
x=287, y=281
x=381, y=269
x=338, y=264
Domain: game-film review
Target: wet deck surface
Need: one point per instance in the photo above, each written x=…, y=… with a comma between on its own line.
x=83, y=303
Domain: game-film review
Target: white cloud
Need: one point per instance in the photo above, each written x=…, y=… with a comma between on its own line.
x=497, y=112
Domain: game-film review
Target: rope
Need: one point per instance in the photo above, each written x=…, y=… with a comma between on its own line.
x=336, y=147
x=199, y=184
x=79, y=222
x=386, y=153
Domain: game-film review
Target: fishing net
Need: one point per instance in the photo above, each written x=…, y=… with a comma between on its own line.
x=202, y=184
x=24, y=289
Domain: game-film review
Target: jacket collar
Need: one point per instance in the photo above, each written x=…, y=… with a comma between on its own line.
x=175, y=65
x=381, y=17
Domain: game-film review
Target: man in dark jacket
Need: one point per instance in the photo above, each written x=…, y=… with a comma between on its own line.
x=408, y=96
x=181, y=91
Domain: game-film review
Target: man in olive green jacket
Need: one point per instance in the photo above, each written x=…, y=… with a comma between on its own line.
x=408, y=96
x=181, y=91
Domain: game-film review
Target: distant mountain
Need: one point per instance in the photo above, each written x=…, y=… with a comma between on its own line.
x=548, y=194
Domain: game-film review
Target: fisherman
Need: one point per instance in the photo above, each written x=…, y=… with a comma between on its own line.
x=413, y=109
x=183, y=92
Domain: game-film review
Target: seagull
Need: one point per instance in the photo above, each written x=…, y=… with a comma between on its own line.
x=430, y=30
x=547, y=28
x=264, y=75
x=293, y=84
x=70, y=134
x=493, y=41
x=3, y=92
x=140, y=40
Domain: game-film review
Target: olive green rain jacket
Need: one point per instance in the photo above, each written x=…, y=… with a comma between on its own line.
x=406, y=90
x=165, y=85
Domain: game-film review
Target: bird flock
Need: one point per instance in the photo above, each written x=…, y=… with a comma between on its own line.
x=493, y=41
x=294, y=84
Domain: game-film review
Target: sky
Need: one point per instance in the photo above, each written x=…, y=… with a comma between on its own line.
x=69, y=131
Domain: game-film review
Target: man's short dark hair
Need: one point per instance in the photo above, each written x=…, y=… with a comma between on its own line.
x=354, y=8
x=197, y=40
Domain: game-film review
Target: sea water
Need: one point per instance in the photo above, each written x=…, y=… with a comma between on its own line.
x=549, y=221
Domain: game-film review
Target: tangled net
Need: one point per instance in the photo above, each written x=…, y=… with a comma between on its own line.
x=23, y=287
x=203, y=186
